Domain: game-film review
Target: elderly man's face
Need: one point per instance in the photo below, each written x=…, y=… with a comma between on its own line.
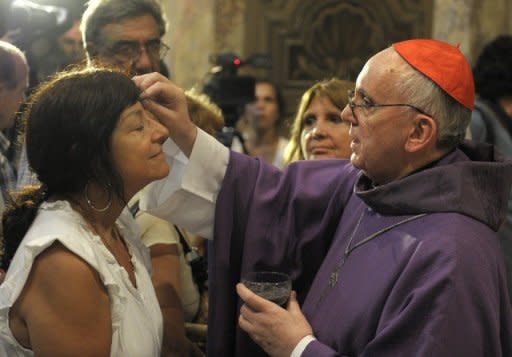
x=133, y=44
x=12, y=98
x=378, y=135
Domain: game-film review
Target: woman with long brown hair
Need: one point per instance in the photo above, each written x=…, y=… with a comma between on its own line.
x=78, y=278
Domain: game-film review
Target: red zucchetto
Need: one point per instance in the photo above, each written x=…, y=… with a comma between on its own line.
x=444, y=64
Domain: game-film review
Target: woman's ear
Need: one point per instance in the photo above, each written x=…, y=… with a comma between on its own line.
x=423, y=133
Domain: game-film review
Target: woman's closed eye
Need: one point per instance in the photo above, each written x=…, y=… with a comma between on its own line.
x=139, y=125
x=144, y=123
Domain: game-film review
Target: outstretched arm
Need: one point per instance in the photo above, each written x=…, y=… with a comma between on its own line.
x=64, y=307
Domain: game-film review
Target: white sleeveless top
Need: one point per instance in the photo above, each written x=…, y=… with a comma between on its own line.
x=137, y=325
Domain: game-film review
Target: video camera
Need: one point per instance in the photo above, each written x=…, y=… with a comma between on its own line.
x=230, y=91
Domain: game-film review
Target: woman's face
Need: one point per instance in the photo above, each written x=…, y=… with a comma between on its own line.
x=137, y=148
x=263, y=113
x=324, y=135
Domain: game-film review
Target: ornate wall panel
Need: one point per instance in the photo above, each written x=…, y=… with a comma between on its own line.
x=314, y=39
x=191, y=37
x=453, y=23
x=311, y=40
x=229, y=25
x=489, y=19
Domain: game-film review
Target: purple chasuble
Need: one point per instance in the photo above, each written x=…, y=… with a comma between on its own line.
x=431, y=283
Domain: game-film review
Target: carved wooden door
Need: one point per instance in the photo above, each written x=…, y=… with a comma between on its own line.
x=310, y=40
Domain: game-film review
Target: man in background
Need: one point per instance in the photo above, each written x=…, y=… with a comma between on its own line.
x=71, y=44
x=13, y=84
x=67, y=49
x=124, y=33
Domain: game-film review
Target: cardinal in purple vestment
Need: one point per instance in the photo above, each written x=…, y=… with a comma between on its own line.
x=391, y=253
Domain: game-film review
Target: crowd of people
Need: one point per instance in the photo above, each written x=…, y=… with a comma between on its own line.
x=384, y=203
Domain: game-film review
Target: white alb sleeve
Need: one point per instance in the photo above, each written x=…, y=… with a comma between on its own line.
x=301, y=346
x=187, y=196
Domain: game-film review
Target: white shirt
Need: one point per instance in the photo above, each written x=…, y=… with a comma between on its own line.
x=137, y=325
x=188, y=195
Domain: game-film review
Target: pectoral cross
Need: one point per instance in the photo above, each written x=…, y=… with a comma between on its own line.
x=333, y=279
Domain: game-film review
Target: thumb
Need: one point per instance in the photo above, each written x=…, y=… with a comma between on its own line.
x=293, y=304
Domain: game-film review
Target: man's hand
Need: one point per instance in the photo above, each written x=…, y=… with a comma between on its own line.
x=167, y=102
x=273, y=328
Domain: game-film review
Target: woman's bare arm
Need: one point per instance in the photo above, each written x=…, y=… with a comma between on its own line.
x=64, y=307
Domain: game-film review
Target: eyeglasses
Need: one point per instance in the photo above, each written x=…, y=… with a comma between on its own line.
x=367, y=105
x=132, y=50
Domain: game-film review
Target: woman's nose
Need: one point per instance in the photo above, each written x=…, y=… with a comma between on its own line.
x=160, y=132
x=319, y=130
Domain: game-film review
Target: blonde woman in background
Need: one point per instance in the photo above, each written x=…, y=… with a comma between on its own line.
x=318, y=131
x=176, y=290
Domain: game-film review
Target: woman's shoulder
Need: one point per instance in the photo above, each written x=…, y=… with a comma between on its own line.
x=56, y=224
x=59, y=282
x=43, y=268
x=53, y=217
x=57, y=264
x=57, y=221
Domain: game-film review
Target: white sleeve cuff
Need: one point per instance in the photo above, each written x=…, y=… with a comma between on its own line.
x=187, y=197
x=207, y=166
x=301, y=346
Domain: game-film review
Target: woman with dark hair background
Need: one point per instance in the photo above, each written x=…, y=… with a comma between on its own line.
x=263, y=118
x=77, y=281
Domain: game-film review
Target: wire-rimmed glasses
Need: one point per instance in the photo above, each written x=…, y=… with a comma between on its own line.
x=366, y=106
x=126, y=50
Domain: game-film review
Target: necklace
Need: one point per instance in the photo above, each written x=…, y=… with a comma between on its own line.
x=333, y=277
x=115, y=237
